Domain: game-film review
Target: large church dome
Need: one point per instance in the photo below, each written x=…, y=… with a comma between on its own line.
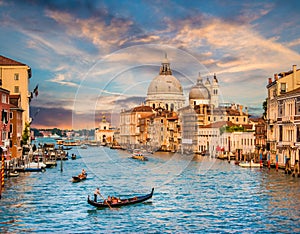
x=164, y=84
x=165, y=90
x=199, y=92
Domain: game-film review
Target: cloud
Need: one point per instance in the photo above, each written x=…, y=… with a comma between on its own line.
x=293, y=43
x=104, y=35
x=61, y=79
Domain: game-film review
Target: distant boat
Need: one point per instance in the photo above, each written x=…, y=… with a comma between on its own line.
x=121, y=202
x=137, y=154
x=13, y=174
x=83, y=146
x=34, y=167
x=55, y=136
x=249, y=164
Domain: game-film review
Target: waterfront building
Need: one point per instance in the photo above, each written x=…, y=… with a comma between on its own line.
x=163, y=131
x=16, y=125
x=260, y=135
x=5, y=126
x=130, y=126
x=104, y=133
x=14, y=76
x=165, y=90
x=239, y=143
x=283, y=116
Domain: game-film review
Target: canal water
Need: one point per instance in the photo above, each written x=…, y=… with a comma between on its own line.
x=192, y=195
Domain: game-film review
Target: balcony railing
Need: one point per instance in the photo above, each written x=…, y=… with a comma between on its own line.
x=287, y=118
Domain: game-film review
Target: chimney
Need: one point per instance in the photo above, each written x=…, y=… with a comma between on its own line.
x=275, y=77
x=241, y=109
x=270, y=80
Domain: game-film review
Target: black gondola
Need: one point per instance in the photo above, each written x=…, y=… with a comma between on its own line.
x=122, y=202
x=77, y=179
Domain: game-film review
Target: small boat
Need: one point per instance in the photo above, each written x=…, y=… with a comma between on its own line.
x=83, y=146
x=78, y=178
x=139, y=156
x=73, y=157
x=51, y=164
x=121, y=202
x=249, y=164
x=35, y=167
x=12, y=174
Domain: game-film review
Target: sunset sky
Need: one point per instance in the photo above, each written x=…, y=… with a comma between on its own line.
x=92, y=58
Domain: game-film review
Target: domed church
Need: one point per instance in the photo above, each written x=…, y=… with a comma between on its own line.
x=207, y=94
x=165, y=90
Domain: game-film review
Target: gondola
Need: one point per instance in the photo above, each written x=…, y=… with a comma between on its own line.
x=121, y=202
x=77, y=179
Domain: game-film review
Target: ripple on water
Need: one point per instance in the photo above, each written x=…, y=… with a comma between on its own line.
x=201, y=196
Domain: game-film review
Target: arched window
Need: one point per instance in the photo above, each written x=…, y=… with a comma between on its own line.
x=167, y=106
x=153, y=105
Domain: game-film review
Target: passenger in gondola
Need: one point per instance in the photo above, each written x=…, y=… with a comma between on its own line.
x=97, y=192
x=108, y=200
x=83, y=174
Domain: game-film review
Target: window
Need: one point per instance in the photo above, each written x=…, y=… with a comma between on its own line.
x=11, y=115
x=16, y=76
x=17, y=90
x=280, y=132
x=283, y=88
x=4, y=98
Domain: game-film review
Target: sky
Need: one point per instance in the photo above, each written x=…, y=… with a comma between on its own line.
x=95, y=58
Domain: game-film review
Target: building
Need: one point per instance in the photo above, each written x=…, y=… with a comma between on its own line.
x=104, y=133
x=14, y=76
x=16, y=126
x=260, y=135
x=130, y=134
x=283, y=116
x=5, y=127
x=165, y=90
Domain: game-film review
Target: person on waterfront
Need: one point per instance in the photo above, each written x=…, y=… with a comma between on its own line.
x=97, y=192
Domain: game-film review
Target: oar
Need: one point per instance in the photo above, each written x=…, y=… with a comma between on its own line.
x=105, y=201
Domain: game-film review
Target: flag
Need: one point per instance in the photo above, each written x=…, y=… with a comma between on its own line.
x=36, y=91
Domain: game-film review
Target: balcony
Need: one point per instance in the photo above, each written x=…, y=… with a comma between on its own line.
x=288, y=119
x=285, y=144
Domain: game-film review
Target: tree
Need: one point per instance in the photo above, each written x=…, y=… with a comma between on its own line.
x=265, y=108
x=26, y=133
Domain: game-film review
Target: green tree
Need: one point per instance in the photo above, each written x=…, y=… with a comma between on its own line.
x=265, y=108
x=26, y=133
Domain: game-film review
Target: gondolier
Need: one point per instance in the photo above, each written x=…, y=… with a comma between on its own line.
x=97, y=192
x=120, y=202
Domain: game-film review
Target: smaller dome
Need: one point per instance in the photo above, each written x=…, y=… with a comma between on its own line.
x=199, y=91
